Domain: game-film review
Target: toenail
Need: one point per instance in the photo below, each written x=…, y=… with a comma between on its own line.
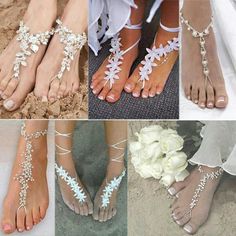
x=94, y=91
x=178, y=222
x=136, y=95
x=44, y=99
x=188, y=97
x=128, y=87
x=144, y=96
x=111, y=96
x=101, y=97
x=196, y=101
x=188, y=228
x=9, y=104
x=151, y=95
x=91, y=86
x=4, y=96
x=221, y=99
x=202, y=105
x=171, y=191
x=6, y=227
x=158, y=93
x=177, y=195
x=210, y=104
x=28, y=227
x=20, y=230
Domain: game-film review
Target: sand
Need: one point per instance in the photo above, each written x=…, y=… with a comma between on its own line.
x=72, y=107
x=10, y=131
x=149, y=205
x=90, y=159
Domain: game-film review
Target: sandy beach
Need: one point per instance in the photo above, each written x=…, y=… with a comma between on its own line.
x=149, y=205
x=90, y=160
x=71, y=107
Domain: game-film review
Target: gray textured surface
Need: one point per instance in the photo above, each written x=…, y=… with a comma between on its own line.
x=164, y=106
x=90, y=158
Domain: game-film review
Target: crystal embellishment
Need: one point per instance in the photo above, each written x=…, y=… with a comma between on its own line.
x=156, y=54
x=29, y=44
x=25, y=176
x=72, y=183
x=109, y=188
x=72, y=44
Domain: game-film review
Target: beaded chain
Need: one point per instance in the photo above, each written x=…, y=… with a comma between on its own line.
x=202, y=42
x=26, y=174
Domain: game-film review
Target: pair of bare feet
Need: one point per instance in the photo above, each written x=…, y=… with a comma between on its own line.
x=46, y=63
x=89, y=207
x=184, y=192
x=205, y=95
x=131, y=83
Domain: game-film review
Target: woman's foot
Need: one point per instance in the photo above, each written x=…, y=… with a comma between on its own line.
x=102, y=214
x=37, y=194
x=193, y=80
x=99, y=86
x=75, y=19
x=14, y=91
x=157, y=79
x=85, y=208
x=184, y=192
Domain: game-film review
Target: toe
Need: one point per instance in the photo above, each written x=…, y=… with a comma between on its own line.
x=76, y=208
x=3, y=85
x=20, y=220
x=185, y=219
x=221, y=99
x=95, y=212
x=187, y=91
x=10, y=88
x=29, y=221
x=104, y=92
x=176, y=187
x=191, y=227
x=137, y=90
x=85, y=209
x=43, y=209
x=36, y=215
x=160, y=88
x=114, y=211
x=90, y=208
x=105, y=217
x=152, y=91
x=75, y=87
x=62, y=89
x=202, y=98
x=194, y=95
x=110, y=214
x=132, y=81
x=8, y=220
x=145, y=92
x=99, y=87
x=81, y=209
x=114, y=95
x=210, y=97
x=177, y=214
x=101, y=215
x=53, y=91
x=94, y=83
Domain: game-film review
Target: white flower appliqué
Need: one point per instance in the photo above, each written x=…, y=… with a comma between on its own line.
x=156, y=54
x=109, y=188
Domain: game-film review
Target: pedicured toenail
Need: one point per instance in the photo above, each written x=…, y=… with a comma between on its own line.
x=28, y=228
x=196, y=101
x=221, y=99
x=128, y=87
x=171, y=191
x=210, y=104
x=6, y=227
x=144, y=96
x=188, y=228
x=101, y=97
x=178, y=222
x=4, y=96
x=20, y=230
x=91, y=86
x=188, y=98
x=152, y=95
x=8, y=104
x=136, y=95
x=111, y=96
x=202, y=105
x=94, y=91
x=44, y=99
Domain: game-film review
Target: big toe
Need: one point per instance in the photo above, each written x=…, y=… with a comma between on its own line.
x=176, y=187
x=113, y=95
x=131, y=82
x=221, y=99
x=191, y=227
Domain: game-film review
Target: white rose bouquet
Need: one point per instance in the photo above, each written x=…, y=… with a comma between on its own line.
x=157, y=154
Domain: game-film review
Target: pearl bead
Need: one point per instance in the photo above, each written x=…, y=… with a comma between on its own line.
x=203, y=52
x=194, y=33
x=206, y=72
x=204, y=62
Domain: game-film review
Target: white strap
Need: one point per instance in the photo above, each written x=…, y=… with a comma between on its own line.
x=131, y=47
x=115, y=146
x=62, y=151
x=171, y=30
x=133, y=27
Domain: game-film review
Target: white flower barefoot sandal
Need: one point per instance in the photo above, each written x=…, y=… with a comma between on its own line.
x=115, y=60
x=29, y=45
x=201, y=186
x=201, y=35
x=79, y=194
x=114, y=184
x=72, y=44
x=159, y=54
x=26, y=176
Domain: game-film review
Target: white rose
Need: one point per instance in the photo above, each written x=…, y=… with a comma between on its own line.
x=167, y=180
x=181, y=176
x=152, y=151
x=149, y=134
x=174, y=163
x=135, y=147
x=170, y=141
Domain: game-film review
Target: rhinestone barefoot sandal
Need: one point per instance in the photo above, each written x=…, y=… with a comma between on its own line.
x=26, y=176
x=114, y=184
x=78, y=191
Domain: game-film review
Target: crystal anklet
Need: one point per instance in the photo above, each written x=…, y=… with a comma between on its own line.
x=115, y=182
x=201, y=35
x=29, y=43
x=72, y=44
x=27, y=167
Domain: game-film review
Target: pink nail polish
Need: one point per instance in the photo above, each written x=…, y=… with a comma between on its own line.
x=6, y=227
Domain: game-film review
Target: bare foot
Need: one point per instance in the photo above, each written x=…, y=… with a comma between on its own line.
x=194, y=84
x=12, y=90
x=37, y=193
x=99, y=86
x=102, y=214
x=185, y=191
x=75, y=19
x=158, y=77
x=85, y=208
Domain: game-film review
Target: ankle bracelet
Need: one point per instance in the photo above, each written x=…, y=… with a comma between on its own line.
x=29, y=44
x=26, y=174
x=201, y=35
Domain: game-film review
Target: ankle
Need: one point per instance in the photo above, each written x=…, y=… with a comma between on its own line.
x=114, y=169
x=164, y=37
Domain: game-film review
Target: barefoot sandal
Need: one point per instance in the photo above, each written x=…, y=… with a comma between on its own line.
x=29, y=44
x=115, y=182
x=25, y=176
x=201, y=35
x=63, y=174
x=156, y=54
x=201, y=186
x=115, y=59
x=72, y=44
